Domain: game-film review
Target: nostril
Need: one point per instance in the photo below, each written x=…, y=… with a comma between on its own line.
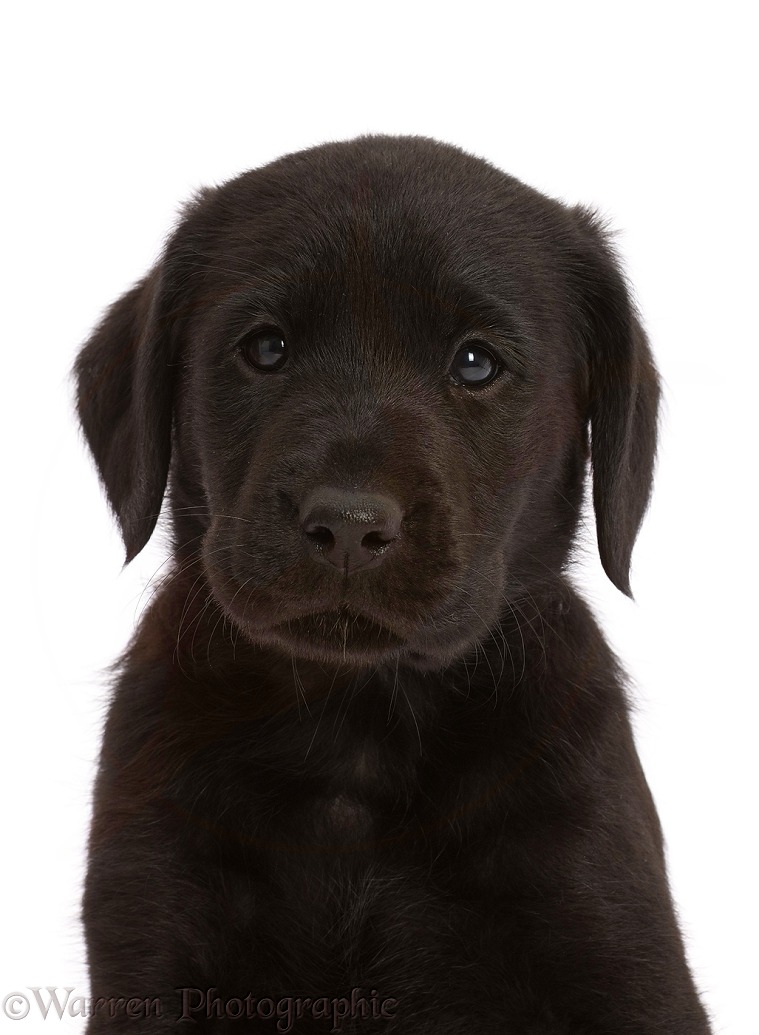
x=376, y=540
x=320, y=535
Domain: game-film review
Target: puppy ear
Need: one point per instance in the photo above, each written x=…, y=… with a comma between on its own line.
x=623, y=402
x=124, y=399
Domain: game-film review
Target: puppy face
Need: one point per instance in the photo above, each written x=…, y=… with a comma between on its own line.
x=371, y=369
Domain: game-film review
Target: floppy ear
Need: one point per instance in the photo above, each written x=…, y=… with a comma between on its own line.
x=623, y=402
x=124, y=399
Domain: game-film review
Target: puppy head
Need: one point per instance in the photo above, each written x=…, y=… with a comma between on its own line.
x=368, y=371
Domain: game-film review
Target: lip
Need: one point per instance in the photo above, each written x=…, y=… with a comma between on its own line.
x=340, y=630
x=330, y=633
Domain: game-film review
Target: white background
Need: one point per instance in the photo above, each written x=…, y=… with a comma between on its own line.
x=115, y=113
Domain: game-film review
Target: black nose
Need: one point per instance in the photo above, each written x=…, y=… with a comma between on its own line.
x=350, y=530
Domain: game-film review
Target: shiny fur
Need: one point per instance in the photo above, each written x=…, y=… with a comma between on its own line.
x=417, y=780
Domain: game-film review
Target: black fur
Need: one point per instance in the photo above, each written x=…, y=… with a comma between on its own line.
x=418, y=779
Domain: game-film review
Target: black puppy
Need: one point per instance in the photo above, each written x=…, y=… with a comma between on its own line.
x=368, y=764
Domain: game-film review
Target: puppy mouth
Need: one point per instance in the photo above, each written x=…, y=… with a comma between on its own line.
x=339, y=632
x=327, y=631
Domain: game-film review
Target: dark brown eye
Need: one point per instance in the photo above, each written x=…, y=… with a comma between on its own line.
x=264, y=349
x=474, y=366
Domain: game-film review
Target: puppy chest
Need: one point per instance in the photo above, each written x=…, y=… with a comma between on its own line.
x=342, y=820
x=350, y=916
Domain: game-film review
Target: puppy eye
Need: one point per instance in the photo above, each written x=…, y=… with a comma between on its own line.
x=474, y=366
x=264, y=349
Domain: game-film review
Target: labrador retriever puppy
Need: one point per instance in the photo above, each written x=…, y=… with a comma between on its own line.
x=368, y=764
